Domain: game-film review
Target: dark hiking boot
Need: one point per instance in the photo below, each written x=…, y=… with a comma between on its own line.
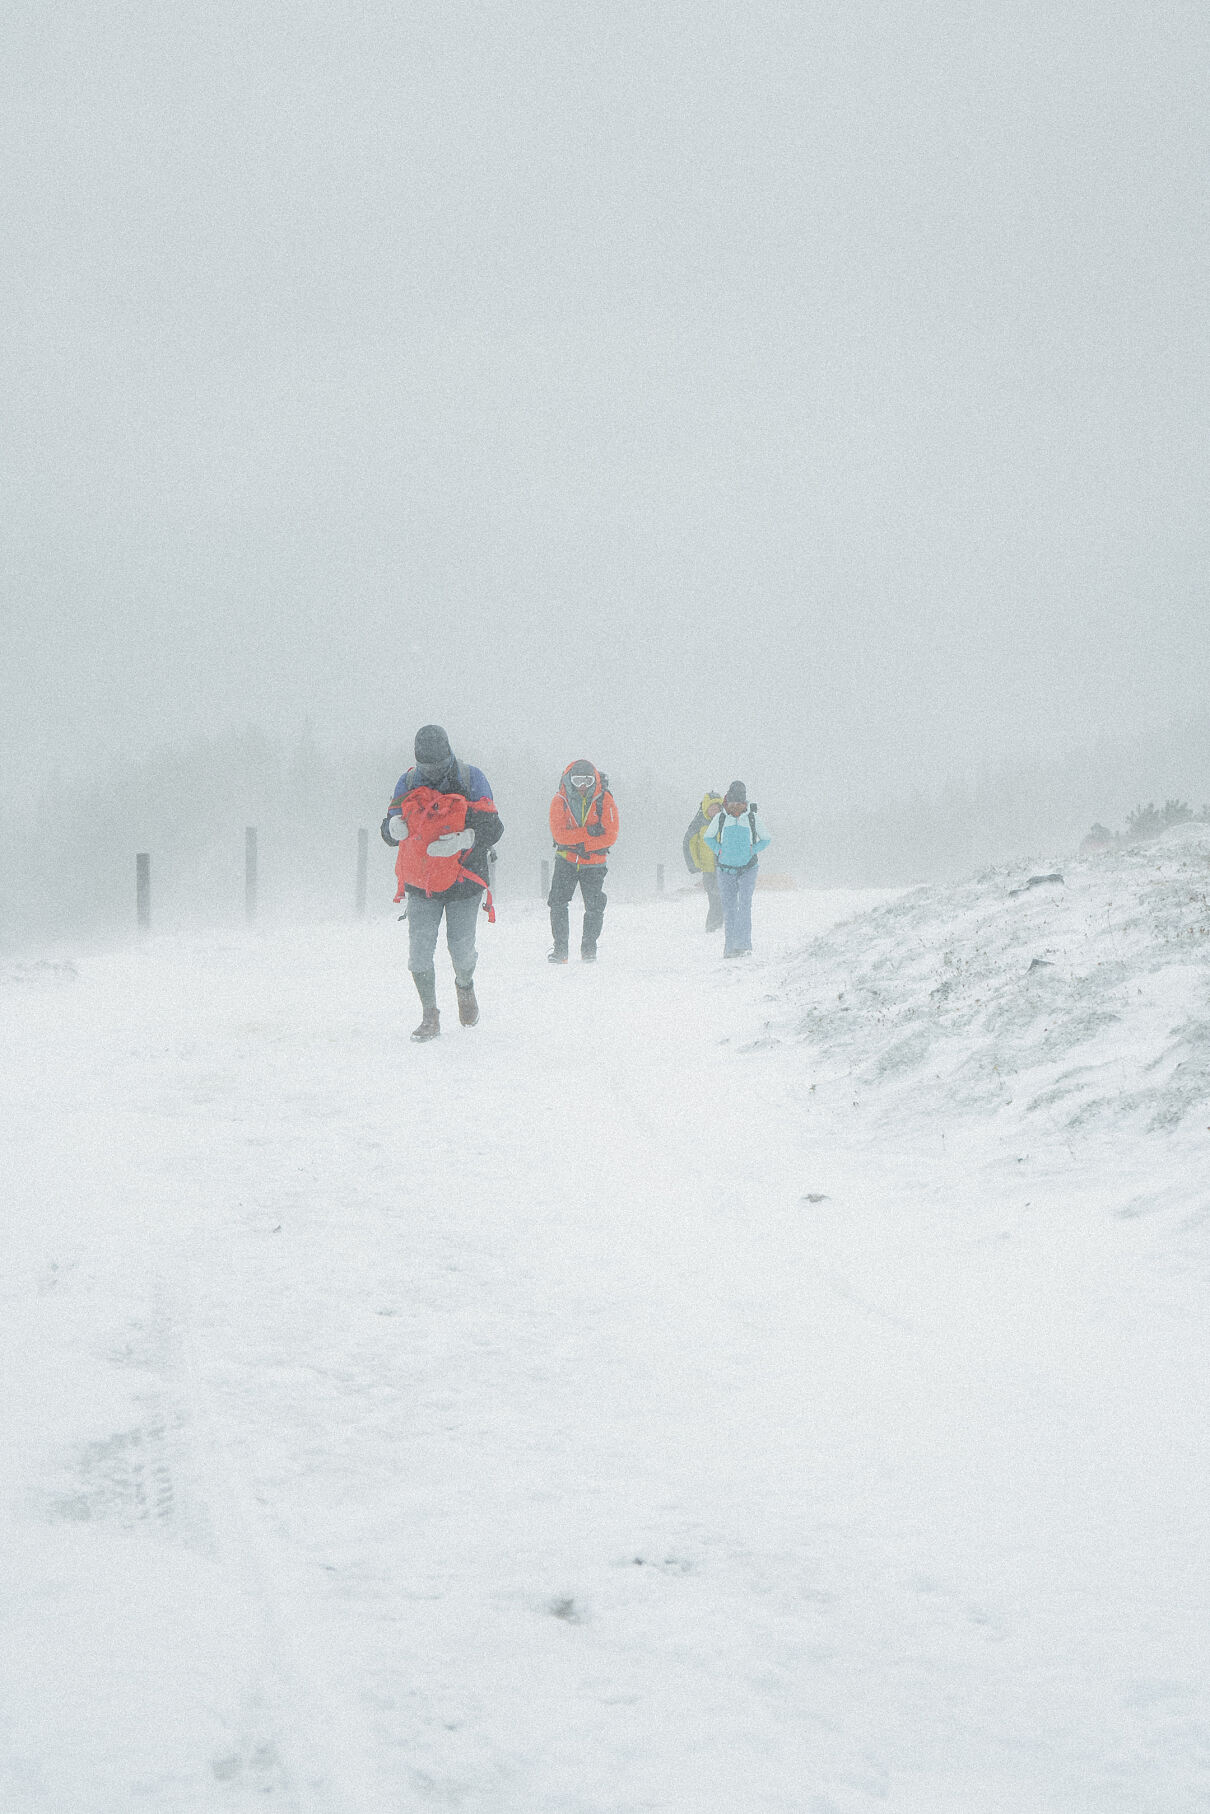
x=556, y=957
x=426, y=989
x=468, y=1006
x=588, y=953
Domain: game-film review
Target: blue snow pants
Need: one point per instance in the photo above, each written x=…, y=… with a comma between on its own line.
x=735, y=888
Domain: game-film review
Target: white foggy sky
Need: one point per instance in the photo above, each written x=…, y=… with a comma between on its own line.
x=810, y=384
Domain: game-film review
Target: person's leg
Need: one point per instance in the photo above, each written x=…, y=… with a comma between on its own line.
x=562, y=887
x=714, y=909
x=460, y=919
x=592, y=887
x=424, y=917
x=430, y=1019
x=743, y=908
x=727, y=891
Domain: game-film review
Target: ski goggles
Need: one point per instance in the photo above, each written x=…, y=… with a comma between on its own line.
x=582, y=783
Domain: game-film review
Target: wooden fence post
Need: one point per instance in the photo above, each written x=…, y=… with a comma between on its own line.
x=363, y=867
x=142, y=889
x=250, y=873
x=545, y=878
x=659, y=878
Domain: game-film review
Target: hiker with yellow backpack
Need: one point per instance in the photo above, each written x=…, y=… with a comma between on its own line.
x=700, y=859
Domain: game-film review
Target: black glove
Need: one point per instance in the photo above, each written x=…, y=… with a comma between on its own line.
x=385, y=835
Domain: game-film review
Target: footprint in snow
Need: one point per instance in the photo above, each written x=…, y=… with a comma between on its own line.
x=566, y=1608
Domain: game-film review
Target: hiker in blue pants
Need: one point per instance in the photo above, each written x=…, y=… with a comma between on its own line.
x=737, y=836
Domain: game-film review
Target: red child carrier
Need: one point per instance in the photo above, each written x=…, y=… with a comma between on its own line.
x=429, y=815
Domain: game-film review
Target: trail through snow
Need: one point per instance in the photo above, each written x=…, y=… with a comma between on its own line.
x=652, y=1399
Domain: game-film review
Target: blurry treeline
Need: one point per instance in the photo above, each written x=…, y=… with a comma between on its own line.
x=67, y=857
x=1041, y=810
x=1143, y=823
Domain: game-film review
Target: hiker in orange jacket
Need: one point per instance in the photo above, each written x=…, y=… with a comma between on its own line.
x=584, y=826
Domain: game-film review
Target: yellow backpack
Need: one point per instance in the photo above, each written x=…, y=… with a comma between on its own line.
x=701, y=852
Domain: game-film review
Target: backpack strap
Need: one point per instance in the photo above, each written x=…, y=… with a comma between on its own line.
x=489, y=905
x=468, y=875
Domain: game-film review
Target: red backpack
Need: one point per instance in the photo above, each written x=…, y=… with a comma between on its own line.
x=428, y=815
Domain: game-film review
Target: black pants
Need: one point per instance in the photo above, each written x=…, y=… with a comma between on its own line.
x=591, y=880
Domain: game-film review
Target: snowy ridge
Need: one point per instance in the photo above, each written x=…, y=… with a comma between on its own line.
x=1065, y=1005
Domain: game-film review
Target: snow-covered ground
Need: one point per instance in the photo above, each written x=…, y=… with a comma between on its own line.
x=702, y=1387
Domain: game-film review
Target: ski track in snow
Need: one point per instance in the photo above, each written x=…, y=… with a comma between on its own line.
x=701, y=1387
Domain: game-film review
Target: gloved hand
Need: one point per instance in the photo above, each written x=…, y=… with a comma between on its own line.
x=451, y=841
x=386, y=833
x=398, y=828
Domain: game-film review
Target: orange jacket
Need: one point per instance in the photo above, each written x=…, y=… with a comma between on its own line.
x=588, y=841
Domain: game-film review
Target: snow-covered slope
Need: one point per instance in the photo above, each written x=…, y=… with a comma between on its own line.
x=702, y=1387
x=1078, y=999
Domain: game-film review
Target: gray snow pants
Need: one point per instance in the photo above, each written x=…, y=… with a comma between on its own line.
x=424, y=920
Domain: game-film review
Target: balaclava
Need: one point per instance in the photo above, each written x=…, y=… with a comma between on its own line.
x=434, y=757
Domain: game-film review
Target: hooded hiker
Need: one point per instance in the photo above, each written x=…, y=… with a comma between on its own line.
x=737, y=836
x=442, y=821
x=700, y=859
x=584, y=826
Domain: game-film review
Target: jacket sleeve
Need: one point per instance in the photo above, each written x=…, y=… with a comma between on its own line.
x=565, y=831
x=401, y=788
x=714, y=834
x=763, y=840
x=563, y=828
x=488, y=827
x=610, y=825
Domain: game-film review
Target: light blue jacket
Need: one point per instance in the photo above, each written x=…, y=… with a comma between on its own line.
x=731, y=839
